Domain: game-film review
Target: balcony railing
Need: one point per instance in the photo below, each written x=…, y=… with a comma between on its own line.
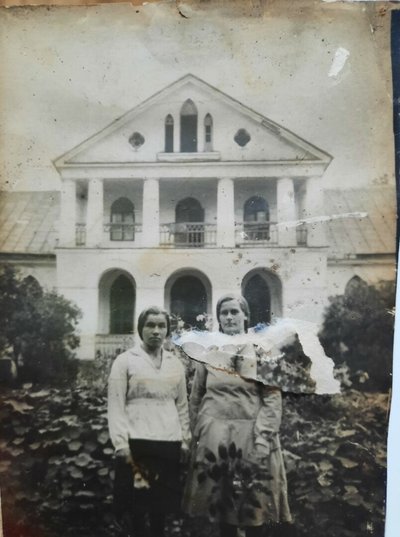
x=301, y=235
x=188, y=235
x=256, y=233
x=195, y=234
x=80, y=234
x=109, y=345
x=122, y=231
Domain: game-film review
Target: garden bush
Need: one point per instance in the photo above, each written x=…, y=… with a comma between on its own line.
x=56, y=464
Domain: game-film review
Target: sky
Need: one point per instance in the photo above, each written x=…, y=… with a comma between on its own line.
x=68, y=72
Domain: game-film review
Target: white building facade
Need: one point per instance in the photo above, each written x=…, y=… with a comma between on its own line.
x=187, y=197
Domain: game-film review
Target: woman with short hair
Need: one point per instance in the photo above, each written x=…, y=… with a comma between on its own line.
x=149, y=426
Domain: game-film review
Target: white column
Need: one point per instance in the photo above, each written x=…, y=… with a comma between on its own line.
x=286, y=211
x=67, y=214
x=94, y=217
x=225, y=213
x=314, y=208
x=177, y=133
x=151, y=213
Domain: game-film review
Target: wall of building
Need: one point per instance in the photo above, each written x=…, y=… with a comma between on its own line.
x=301, y=273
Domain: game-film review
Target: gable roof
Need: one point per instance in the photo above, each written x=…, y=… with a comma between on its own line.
x=29, y=222
x=311, y=152
x=374, y=234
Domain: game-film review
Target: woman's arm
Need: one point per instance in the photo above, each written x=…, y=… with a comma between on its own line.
x=269, y=417
x=197, y=392
x=182, y=408
x=118, y=425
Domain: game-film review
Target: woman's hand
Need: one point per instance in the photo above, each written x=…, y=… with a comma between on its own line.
x=124, y=454
x=185, y=453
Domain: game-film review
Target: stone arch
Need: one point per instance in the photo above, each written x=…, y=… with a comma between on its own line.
x=263, y=291
x=187, y=293
x=117, y=298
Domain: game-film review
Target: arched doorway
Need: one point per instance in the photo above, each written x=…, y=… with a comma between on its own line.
x=256, y=219
x=257, y=294
x=122, y=298
x=263, y=291
x=116, y=303
x=189, y=217
x=188, y=127
x=122, y=226
x=188, y=296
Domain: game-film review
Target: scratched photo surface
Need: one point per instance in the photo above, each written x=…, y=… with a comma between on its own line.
x=170, y=154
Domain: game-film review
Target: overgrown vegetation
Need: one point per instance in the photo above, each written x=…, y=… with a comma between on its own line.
x=57, y=464
x=37, y=328
x=358, y=330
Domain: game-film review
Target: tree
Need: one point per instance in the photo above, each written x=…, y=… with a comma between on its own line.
x=358, y=330
x=40, y=327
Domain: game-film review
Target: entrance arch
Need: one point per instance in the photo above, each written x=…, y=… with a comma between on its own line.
x=116, y=302
x=263, y=291
x=188, y=295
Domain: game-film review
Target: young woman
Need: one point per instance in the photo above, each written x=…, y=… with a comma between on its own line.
x=149, y=426
x=237, y=475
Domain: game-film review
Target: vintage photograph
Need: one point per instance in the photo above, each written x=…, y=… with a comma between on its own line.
x=197, y=269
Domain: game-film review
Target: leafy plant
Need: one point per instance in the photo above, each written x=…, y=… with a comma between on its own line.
x=358, y=331
x=238, y=483
x=40, y=327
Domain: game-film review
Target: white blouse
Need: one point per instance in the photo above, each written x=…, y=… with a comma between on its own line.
x=146, y=402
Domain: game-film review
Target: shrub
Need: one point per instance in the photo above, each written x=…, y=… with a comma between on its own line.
x=358, y=330
x=40, y=327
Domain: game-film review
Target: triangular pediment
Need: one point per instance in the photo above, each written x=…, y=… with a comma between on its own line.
x=239, y=134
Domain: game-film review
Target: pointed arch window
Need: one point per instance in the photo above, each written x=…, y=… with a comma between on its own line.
x=256, y=219
x=188, y=127
x=122, y=225
x=169, y=134
x=208, y=133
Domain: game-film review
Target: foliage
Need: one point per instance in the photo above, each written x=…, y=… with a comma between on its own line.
x=237, y=482
x=358, y=330
x=40, y=327
x=56, y=464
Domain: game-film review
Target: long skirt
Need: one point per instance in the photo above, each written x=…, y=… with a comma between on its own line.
x=151, y=484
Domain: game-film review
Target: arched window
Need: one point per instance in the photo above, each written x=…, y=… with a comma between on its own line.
x=122, y=225
x=208, y=133
x=32, y=286
x=188, y=127
x=256, y=219
x=188, y=300
x=355, y=284
x=257, y=294
x=169, y=134
x=189, y=218
x=122, y=300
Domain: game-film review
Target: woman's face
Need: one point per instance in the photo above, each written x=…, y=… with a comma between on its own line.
x=232, y=318
x=154, y=330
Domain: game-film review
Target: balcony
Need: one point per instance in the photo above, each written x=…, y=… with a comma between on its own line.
x=188, y=235
x=109, y=345
x=122, y=231
x=256, y=234
x=191, y=235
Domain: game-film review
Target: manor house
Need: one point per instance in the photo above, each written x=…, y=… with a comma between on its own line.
x=188, y=196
